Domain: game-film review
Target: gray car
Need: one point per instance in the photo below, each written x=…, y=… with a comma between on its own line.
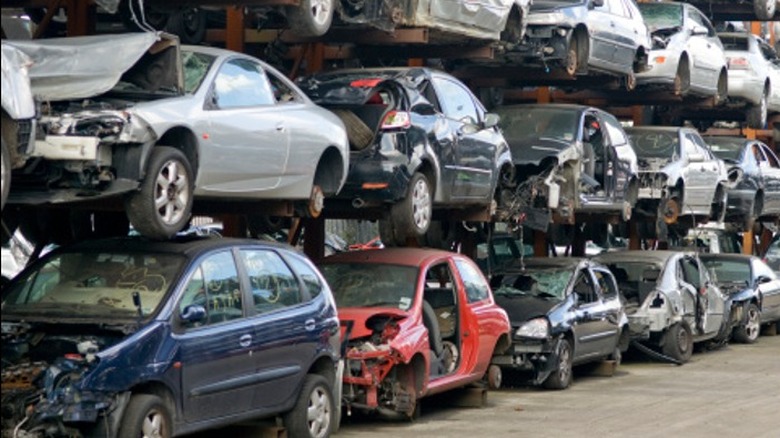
x=122, y=119
x=687, y=57
x=671, y=301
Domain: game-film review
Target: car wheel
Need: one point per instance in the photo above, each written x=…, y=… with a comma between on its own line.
x=313, y=415
x=572, y=57
x=189, y=24
x=130, y=14
x=513, y=30
x=411, y=217
x=494, y=377
x=259, y=224
x=146, y=416
x=6, y=174
x=718, y=208
x=162, y=205
x=682, y=79
x=669, y=210
x=748, y=330
x=560, y=378
x=764, y=9
x=678, y=342
x=629, y=81
x=312, y=18
x=757, y=114
x=722, y=90
x=616, y=356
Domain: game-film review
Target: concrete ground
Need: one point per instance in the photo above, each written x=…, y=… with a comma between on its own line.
x=733, y=391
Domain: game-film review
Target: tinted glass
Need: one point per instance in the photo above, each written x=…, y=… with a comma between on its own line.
x=477, y=288
x=726, y=148
x=307, y=274
x=196, y=65
x=273, y=284
x=456, y=101
x=371, y=285
x=729, y=271
x=543, y=282
x=655, y=144
x=553, y=123
x=242, y=83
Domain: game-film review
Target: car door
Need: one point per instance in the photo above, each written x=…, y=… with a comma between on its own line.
x=769, y=288
x=704, y=49
x=769, y=168
x=247, y=148
x=694, y=174
x=621, y=164
x=592, y=332
x=601, y=27
x=609, y=296
x=709, y=302
x=468, y=165
x=626, y=33
x=215, y=354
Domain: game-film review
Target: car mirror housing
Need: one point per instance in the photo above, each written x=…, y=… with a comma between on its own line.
x=699, y=30
x=193, y=313
x=596, y=3
x=695, y=158
x=491, y=120
x=424, y=108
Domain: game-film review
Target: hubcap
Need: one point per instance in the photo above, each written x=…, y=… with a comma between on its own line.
x=421, y=205
x=154, y=425
x=670, y=211
x=752, y=324
x=564, y=355
x=316, y=202
x=320, y=11
x=318, y=414
x=172, y=193
x=682, y=340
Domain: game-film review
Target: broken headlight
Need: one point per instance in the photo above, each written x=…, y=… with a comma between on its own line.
x=537, y=328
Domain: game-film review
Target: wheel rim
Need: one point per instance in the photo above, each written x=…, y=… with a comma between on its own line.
x=670, y=211
x=494, y=376
x=571, y=60
x=564, y=357
x=421, y=205
x=316, y=201
x=752, y=325
x=320, y=11
x=682, y=341
x=172, y=192
x=318, y=413
x=154, y=425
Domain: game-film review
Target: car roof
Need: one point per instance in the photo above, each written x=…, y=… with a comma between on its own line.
x=658, y=256
x=543, y=262
x=727, y=256
x=658, y=128
x=573, y=106
x=394, y=256
x=185, y=245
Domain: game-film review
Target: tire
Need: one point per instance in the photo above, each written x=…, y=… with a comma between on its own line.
x=757, y=114
x=678, y=342
x=6, y=174
x=494, y=377
x=388, y=235
x=146, y=416
x=722, y=90
x=764, y=9
x=682, y=79
x=616, y=356
x=312, y=18
x=411, y=217
x=561, y=376
x=313, y=415
x=189, y=24
x=169, y=177
x=259, y=224
x=152, y=16
x=748, y=330
x=513, y=30
x=110, y=224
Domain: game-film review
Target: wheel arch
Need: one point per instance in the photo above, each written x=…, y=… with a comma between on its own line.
x=329, y=174
x=583, y=44
x=161, y=390
x=324, y=366
x=183, y=139
x=428, y=169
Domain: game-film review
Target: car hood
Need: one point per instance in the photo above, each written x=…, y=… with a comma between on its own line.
x=363, y=319
x=81, y=67
x=525, y=307
x=550, y=5
x=534, y=150
x=653, y=164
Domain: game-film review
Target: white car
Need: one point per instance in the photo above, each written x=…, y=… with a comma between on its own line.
x=687, y=57
x=754, y=76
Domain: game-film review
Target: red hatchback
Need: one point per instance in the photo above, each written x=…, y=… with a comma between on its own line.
x=414, y=322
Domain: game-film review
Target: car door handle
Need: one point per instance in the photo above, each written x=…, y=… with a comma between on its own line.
x=245, y=340
x=280, y=127
x=309, y=325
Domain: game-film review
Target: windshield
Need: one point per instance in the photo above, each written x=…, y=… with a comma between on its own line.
x=661, y=15
x=371, y=285
x=729, y=271
x=543, y=283
x=196, y=65
x=655, y=144
x=728, y=149
x=97, y=285
x=552, y=123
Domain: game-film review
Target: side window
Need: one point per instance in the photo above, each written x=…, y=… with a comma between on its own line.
x=272, y=282
x=307, y=274
x=689, y=146
x=583, y=287
x=616, y=134
x=690, y=271
x=618, y=8
x=606, y=283
x=283, y=92
x=456, y=101
x=242, y=83
x=214, y=285
x=770, y=157
x=761, y=269
x=477, y=288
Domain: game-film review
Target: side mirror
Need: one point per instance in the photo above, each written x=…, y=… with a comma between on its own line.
x=596, y=3
x=762, y=279
x=699, y=31
x=192, y=314
x=695, y=158
x=424, y=108
x=491, y=120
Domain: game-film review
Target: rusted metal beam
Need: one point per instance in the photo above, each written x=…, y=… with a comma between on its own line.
x=234, y=29
x=52, y=7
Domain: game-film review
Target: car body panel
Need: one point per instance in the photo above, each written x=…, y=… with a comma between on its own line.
x=753, y=70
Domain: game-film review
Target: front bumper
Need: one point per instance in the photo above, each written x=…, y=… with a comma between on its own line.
x=527, y=355
x=744, y=85
x=659, y=73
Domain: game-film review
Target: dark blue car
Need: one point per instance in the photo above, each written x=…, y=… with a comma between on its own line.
x=129, y=337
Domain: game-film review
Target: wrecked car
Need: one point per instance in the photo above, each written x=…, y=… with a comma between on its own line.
x=582, y=36
x=19, y=114
x=570, y=160
x=680, y=178
x=753, y=290
x=132, y=115
x=687, y=56
x=564, y=311
x=415, y=322
x=670, y=300
x=421, y=145
x=763, y=9
x=754, y=172
x=131, y=337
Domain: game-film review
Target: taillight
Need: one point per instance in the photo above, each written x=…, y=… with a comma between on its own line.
x=366, y=83
x=397, y=120
x=739, y=64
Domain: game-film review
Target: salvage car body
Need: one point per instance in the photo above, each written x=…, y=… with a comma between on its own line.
x=670, y=299
x=421, y=144
x=553, y=301
x=602, y=35
x=679, y=174
x=226, y=125
x=687, y=55
x=756, y=170
x=746, y=9
x=570, y=160
x=415, y=322
x=753, y=290
x=200, y=323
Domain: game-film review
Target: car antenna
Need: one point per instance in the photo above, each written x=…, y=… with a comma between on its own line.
x=137, y=303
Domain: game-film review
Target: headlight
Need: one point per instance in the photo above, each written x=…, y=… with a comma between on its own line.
x=547, y=18
x=537, y=328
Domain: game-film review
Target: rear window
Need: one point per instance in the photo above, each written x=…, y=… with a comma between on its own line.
x=734, y=43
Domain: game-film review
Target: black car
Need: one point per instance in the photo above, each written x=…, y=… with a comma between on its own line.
x=570, y=160
x=564, y=312
x=753, y=289
x=422, y=144
x=755, y=170
x=130, y=337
